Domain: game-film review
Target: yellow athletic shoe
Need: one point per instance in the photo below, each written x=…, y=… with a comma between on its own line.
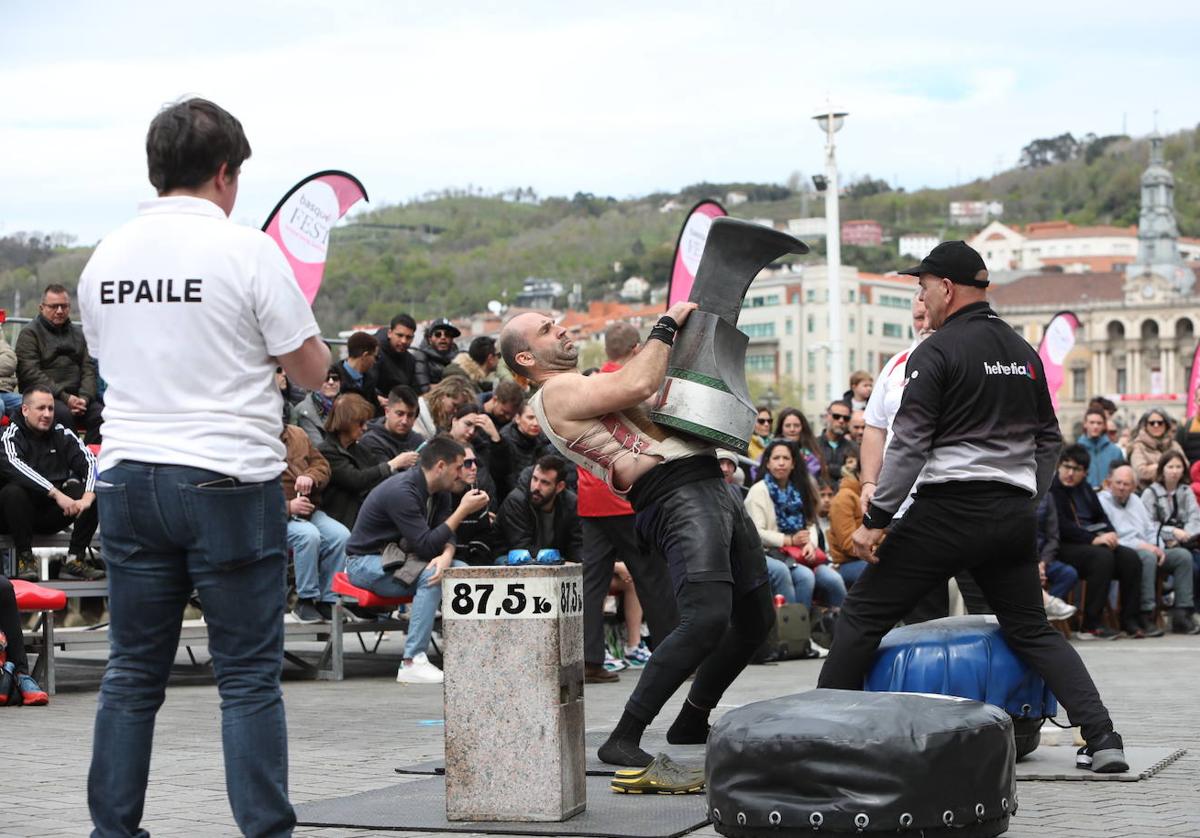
x=662, y=776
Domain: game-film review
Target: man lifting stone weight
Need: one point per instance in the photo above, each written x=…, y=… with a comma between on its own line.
x=683, y=512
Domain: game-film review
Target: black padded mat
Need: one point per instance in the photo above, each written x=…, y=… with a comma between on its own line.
x=1057, y=762
x=419, y=805
x=653, y=742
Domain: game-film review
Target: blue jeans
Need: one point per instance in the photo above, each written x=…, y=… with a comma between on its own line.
x=12, y=402
x=798, y=583
x=165, y=534
x=318, y=547
x=367, y=572
x=1061, y=578
x=850, y=571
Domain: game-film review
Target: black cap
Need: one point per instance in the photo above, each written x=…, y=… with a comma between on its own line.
x=443, y=323
x=956, y=261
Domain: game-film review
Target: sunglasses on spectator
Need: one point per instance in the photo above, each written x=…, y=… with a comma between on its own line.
x=764, y=420
x=333, y=376
x=470, y=462
x=440, y=334
x=1155, y=423
x=841, y=417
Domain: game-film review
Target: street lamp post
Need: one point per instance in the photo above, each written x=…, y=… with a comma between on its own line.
x=830, y=122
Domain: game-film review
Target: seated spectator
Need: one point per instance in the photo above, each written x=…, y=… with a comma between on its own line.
x=52, y=352
x=834, y=446
x=503, y=403
x=728, y=462
x=471, y=426
x=354, y=471
x=11, y=635
x=1152, y=439
x=845, y=516
x=9, y=394
x=825, y=495
x=395, y=366
x=435, y=353
x=285, y=388
x=358, y=369
x=1059, y=577
x=761, y=434
x=526, y=443
x=1090, y=545
x=311, y=414
x=782, y=505
x=543, y=513
x=478, y=537
x=478, y=364
x=437, y=406
x=793, y=427
x=1136, y=531
x=317, y=541
x=1176, y=516
x=861, y=385
x=413, y=512
x=50, y=480
x=1102, y=451
x=392, y=434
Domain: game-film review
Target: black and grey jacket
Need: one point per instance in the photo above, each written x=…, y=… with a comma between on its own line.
x=41, y=461
x=975, y=409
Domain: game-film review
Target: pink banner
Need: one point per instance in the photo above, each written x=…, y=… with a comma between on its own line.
x=1057, y=341
x=1193, y=383
x=301, y=221
x=689, y=248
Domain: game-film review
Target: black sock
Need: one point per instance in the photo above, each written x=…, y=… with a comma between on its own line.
x=624, y=743
x=690, y=727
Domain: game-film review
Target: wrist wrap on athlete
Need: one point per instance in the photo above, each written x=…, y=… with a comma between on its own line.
x=665, y=330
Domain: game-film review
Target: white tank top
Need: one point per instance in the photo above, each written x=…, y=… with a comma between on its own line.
x=611, y=437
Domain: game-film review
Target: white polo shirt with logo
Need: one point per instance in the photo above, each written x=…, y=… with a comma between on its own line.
x=186, y=313
x=885, y=401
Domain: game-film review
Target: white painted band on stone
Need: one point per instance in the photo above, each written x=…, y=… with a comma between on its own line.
x=511, y=598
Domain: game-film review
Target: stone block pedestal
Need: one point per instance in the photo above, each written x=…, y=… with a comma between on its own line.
x=514, y=693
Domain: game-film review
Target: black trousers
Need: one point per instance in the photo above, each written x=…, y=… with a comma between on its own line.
x=717, y=566
x=1098, y=566
x=994, y=537
x=24, y=512
x=10, y=624
x=90, y=419
x=606, y=541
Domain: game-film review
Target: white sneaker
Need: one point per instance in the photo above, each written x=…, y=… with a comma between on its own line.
x=420, y=671
x=1056, y=609
x=818, y=648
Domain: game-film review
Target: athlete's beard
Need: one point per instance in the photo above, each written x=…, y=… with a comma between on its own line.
x=558, y=357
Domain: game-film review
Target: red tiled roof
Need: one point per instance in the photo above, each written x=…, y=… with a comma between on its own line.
x=1059, y=289
x=1103, y=264
x=1067, y=230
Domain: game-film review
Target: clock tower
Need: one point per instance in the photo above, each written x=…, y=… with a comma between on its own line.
x=1158, y=234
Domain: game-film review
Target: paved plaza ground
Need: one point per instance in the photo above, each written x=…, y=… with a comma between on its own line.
x=347, y=737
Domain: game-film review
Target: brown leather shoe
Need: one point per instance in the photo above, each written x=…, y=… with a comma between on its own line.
x=595, y=673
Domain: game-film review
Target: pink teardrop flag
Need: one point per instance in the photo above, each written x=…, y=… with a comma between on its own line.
x=1057, y=342
x=689, y=248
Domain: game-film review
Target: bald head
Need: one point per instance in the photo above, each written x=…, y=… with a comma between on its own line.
x=534, y=346
x=1121, y=483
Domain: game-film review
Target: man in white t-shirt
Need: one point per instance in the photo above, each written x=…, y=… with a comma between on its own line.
x=188, y=315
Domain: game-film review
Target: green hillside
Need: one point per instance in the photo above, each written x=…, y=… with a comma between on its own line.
x=451, y=253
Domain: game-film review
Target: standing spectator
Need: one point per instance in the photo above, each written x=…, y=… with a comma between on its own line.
x=1176, y=516
x=438, y=350
x=1102, y=451
x=9, y=392
x=761, y=434
x=311, y=414
x=358, y=369
x=543, y=515
x=1153, y=439
x=845, y=516
x=392, y=434
x=53, y=352
x=861, y=385
x=834, y=447
x=192, y=444
x=11, y=632
x=793, y=426
x=478, y=364
x=1188, y=435
x=354, y=471
x=858, y=426
x=49, y=483
x=1090, y=545
x=525, y=441
x=1136, y=530
x=317, y=541
x=414, y=510
x=782, y=505
x=503, y=403
x=395, y=366
x=437, y=406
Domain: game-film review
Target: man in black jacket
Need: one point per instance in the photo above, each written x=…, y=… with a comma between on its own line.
x=395, y=365
x=392, y=434
x=544, y=514
x=52, y=352
x=436, y=352
x=358, y=369
x=50, y=483
x=976, y=422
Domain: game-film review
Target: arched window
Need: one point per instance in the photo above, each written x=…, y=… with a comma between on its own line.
x=1184, y=328
x=1116, y=330
x=1149, y=329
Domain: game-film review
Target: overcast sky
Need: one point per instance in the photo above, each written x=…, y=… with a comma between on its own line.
x=616, y=98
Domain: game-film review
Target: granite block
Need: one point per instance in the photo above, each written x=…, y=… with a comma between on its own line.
x=514, y=693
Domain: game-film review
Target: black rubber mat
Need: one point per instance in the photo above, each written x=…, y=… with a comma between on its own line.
x=419, y=805
x=1057, y=762
x=655, y=741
